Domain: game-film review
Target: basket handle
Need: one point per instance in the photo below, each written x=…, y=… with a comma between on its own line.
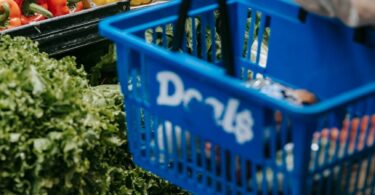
x=227, y=54
x=365, y=36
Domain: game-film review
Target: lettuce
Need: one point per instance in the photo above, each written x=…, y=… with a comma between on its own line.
x=58, y=134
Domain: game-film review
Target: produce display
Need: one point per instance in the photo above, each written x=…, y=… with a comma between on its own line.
x=15, y=13
x=59, y=134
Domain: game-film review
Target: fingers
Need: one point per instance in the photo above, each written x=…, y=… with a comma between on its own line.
x=315, y=6
x=365, y=10
x=345, y=11
x=354, y=13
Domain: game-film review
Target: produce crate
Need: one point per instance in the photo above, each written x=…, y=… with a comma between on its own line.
x=209, y=133
x=63, y=34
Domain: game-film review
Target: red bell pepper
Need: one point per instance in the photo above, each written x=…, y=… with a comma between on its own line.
x=11, y=13
x=42, y=3
x=19, y=2
x=58, y=7
x=75, y=6
x=79, y=7
x=31, y=19
x=33, y=12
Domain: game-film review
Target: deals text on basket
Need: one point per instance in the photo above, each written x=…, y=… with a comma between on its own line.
x=228, y=116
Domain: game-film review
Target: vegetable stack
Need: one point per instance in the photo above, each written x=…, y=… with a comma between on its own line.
x=58, y=134
x=18, y=12
x=15, y=13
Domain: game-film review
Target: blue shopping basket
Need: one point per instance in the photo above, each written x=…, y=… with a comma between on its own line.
x=204, y=130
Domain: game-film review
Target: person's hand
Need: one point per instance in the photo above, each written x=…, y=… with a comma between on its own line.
x=354, y=13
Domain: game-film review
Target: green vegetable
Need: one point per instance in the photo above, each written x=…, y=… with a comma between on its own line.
x=104, y=72
x=58, y=135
